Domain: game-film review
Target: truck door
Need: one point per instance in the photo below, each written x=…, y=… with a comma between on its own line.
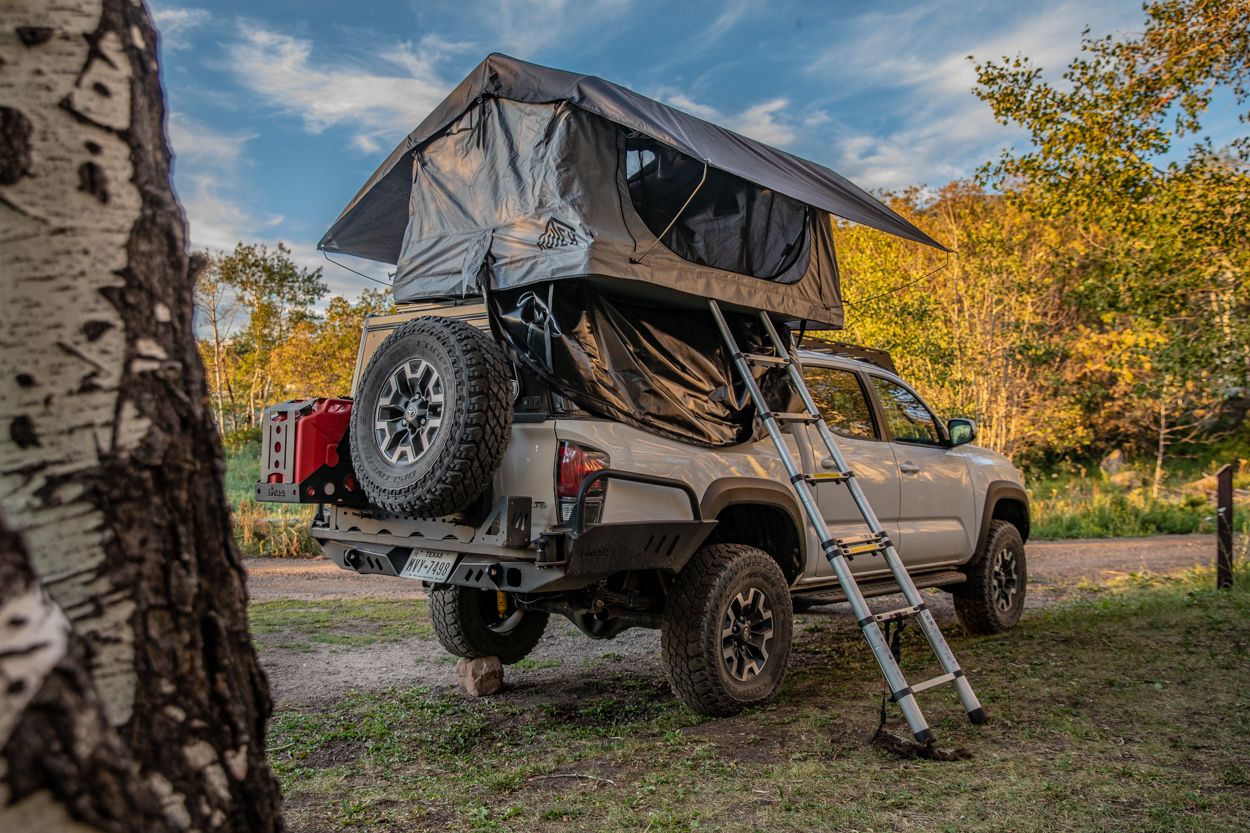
x=840, y=396
x=936, y=512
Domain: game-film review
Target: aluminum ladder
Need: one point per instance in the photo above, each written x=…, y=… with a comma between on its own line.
x=838, y=551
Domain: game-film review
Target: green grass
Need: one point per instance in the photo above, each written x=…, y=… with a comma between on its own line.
x=534, y=664
x=278, y=530
x=1129, y=710
x=242, y=472
x=1112, y=513
x=352, y=623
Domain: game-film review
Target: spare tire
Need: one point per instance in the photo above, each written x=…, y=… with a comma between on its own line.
x=431, y=418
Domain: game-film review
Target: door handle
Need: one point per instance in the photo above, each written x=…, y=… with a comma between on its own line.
x=908, y=468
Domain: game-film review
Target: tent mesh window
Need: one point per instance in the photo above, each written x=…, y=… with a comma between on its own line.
x=730, y=224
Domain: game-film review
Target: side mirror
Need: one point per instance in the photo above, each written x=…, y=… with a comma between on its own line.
x=962, y=431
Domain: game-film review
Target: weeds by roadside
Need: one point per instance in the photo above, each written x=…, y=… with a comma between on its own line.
x=1110, y=513
x=275, y=530
x=1127, y=710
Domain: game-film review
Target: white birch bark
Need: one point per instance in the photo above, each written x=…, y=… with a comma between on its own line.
x=120, y=583
x=58, y=386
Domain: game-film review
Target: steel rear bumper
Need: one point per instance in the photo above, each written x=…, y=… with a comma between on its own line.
x=562, y=561
x=564, y=558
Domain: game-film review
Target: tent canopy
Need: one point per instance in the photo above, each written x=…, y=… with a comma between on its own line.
x=598, y=223
x=373, y=225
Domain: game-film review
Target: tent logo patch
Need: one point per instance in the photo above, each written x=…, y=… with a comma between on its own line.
x=556, y=235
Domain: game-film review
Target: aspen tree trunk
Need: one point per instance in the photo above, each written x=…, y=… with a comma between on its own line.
x=130, y=695
x=1163, y=435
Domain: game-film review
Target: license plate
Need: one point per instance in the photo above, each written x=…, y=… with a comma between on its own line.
x=428, y=565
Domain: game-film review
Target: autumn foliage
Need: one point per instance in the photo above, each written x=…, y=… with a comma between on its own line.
x=1096, y=296
x=262, y=337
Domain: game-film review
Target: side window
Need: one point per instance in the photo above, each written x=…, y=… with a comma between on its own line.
x=908, y=418
x=841, y=401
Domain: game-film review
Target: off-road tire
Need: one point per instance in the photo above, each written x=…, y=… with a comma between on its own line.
x=977, y=599
x=690, y=636
x=476, y=419
x=462, y=617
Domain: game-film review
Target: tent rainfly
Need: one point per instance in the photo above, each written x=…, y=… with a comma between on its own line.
x=526, y=175
x=597, y=223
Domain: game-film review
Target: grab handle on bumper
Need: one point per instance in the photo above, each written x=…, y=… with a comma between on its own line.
x=579, y=524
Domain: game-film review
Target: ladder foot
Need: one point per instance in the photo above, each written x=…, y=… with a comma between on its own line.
x=925, y=736
x=978, y=716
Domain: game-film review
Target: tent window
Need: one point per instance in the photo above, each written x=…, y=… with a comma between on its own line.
x=730, y=224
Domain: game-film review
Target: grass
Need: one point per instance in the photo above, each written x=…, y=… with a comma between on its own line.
x=535, y=664
x=1126, y=710
x=350, y=623
x=275, y=530
x=1107, y=512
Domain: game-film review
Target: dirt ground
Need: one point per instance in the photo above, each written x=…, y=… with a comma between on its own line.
x=319, y=674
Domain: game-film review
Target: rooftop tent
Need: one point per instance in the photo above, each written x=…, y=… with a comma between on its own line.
x=597, y=222
x=544, y=175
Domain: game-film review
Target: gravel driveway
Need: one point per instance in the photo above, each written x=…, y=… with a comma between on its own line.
x=324, y=673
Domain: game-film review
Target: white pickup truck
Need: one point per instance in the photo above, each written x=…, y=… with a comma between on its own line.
x=511, y=504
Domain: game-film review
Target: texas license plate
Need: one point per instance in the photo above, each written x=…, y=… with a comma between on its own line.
x=428, y=565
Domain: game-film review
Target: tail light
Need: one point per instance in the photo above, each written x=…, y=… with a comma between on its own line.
x=574, y=463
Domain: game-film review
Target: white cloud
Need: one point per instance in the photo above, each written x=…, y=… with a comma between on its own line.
x=726, y=20
x=279, y=69
x=174, y=25
x=200, y=145
x=947, y=131
x=758, y=123
x=215, y=165
x=524, y=27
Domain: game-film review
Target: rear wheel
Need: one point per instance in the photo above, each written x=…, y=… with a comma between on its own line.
x=992, y=599
x=726, y=632
x=484, y=623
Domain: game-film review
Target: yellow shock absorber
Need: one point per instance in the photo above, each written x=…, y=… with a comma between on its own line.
x=501, y=601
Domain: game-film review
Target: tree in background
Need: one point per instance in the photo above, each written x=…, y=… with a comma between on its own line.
x=980, y=334
x=1165, y=231
x=217, y=309
x=274, y=297
x=262, y=337
x=320, y=358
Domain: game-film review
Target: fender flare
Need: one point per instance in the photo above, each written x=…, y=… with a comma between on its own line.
x=728, y=491
x=999, y=490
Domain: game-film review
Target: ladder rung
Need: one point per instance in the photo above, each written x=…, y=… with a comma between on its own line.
x=797, y=417
x=835, y=476
x=773, y=361
x=934, y=683
x=866, y=545
x=900, y=613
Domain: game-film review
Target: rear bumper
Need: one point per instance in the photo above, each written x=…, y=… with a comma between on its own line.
x=501, y=554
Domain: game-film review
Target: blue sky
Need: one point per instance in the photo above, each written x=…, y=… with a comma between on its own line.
x=280, y=110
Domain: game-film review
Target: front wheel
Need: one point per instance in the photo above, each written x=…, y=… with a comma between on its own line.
x=484, y=623
x=726, y=631
x=992, y=599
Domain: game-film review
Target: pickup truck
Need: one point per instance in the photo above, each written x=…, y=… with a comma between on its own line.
x=614, y=527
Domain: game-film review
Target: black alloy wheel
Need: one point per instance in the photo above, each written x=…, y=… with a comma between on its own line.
x=992, y=599
x=725, y=635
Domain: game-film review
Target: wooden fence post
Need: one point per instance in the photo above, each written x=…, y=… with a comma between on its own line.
x=1224, y=527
